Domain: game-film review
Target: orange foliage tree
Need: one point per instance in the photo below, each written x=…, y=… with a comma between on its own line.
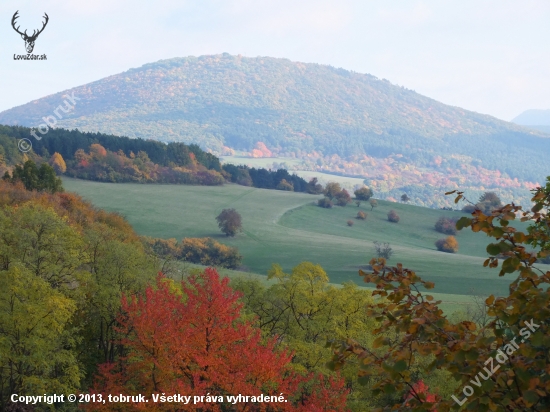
x=449, y=244
x=193, y=342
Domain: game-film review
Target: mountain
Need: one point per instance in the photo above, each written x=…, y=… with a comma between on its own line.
x=335, y=120
x=533, y=116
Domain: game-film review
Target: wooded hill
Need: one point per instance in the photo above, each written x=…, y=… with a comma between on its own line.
x=339, y=121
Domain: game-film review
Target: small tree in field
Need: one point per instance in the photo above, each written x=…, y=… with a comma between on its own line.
x=361, y=215
x=350, y=222
x=449, y=244
x=373, y=203
x=405, y=198
x=363, y=193
x=229, y=221
x=383, y=250
x=358, y=203
x=393, y=216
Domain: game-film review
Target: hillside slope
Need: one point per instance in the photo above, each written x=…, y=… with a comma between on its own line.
x=333, y=119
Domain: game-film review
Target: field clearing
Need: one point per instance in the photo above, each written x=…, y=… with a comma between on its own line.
x=286, y=228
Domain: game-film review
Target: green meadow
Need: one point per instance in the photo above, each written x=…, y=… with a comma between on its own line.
x=288, y=228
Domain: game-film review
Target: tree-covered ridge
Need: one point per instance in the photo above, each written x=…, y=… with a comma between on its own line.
x=332, y=118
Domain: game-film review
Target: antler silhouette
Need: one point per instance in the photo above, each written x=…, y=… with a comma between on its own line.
x=43, y=26
x=15, y=16
x=29, y=40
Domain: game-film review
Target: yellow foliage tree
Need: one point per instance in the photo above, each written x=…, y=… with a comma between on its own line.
x=58, y=163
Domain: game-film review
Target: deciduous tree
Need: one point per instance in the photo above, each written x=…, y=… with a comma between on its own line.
x=229, y=221
x=192, y=340
x=363, y=193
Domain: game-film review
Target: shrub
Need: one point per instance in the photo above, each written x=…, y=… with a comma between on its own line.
x=208, y=252
x=363, y=193
x=383, y=250
x=446, y=225
x=373, y=203
x=449, y=244
x=393, y=216
x=325, y=202
x=350, y=222
x=361, y=215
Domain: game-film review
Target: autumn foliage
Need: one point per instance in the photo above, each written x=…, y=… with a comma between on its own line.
x=393, y=216
x=192, y=341
x=449, y=244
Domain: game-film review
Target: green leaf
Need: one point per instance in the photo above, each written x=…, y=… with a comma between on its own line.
x=400, y=366
x=493, y=249
x=463, y=222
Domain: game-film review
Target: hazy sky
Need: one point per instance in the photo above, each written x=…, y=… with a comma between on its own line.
x=487, y=56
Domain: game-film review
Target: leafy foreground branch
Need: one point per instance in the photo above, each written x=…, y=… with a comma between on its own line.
x=490, y=372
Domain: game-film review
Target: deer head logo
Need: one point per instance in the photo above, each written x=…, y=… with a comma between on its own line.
x=29, y=40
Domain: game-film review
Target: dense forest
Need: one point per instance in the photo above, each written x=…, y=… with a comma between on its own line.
x=116, y=159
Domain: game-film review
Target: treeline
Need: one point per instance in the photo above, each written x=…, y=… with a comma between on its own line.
x=107, y=158
x=67, y=142
x=265, y=179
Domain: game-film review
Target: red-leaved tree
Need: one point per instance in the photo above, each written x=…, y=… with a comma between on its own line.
x=193, y=342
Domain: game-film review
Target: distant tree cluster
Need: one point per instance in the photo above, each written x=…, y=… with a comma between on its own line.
x=202, y=251
x=67, y=142
x=487, y=202
x=446, y=225
x=333, y=192
x=103, y=165
x=265, y=179
x=33, y=177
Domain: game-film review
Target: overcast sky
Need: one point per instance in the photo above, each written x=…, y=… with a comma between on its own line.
x=487, y=56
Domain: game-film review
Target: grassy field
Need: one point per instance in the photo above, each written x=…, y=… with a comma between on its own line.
x=286, y=228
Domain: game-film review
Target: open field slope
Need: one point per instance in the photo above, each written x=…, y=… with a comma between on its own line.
x=286, y=228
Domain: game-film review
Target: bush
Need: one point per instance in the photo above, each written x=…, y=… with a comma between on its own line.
x=350, y=222
x=361, y=215
x=325, y=202
x=373, y=203
x=383, y=250
x=208, y=252
x=449, y=244
x=393, y=216
x=446, y=225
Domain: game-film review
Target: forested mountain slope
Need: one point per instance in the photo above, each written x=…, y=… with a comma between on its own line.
x=334, y=119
